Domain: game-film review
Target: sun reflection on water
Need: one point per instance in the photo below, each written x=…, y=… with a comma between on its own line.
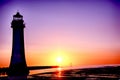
x=59, y=74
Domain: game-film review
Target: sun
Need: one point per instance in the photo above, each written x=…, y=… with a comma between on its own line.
x=59, y=59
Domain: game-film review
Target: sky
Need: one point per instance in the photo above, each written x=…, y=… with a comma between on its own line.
x=63, y=32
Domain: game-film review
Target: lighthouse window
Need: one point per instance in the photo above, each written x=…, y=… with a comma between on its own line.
x=16, y=18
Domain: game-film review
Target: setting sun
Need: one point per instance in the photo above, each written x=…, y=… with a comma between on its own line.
x=59, y=59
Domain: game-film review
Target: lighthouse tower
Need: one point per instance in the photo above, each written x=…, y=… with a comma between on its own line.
x=18, y=64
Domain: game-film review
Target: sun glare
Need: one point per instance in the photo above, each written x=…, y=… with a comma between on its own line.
x=59, y=59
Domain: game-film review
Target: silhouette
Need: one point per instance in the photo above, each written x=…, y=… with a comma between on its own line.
x=18, y=63
x=18, y=66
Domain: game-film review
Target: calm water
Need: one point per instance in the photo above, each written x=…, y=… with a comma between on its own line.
x=60, y=74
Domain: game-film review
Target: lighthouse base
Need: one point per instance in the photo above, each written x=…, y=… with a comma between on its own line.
x=17, y=71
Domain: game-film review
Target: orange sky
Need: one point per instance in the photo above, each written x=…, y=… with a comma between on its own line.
x=82, y=58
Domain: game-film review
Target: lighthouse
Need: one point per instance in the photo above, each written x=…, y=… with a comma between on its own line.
x=18, y=64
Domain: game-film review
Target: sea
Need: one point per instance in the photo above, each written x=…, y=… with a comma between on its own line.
x=62, y=73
